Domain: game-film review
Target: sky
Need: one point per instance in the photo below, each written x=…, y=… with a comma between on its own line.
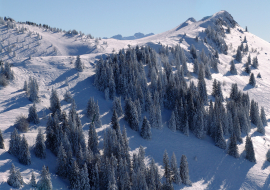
x=106, y=18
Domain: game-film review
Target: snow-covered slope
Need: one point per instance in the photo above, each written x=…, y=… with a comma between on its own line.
x=52, y=62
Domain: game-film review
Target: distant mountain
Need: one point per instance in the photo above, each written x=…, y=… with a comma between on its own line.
x=134, y=37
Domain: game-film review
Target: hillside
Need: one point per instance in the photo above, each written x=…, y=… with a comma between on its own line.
x=52, y=63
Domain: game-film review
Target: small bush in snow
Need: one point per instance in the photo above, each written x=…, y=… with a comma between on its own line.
x=68, y=97
x=21, y=123
x=3, y=80
x=268, y=155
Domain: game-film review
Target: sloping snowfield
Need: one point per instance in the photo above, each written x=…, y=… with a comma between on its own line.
x=52, y=63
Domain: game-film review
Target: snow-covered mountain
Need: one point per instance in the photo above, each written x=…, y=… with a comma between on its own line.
x=134, y=37
x=49, y=57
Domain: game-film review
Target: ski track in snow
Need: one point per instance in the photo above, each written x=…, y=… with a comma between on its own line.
x=213, y=168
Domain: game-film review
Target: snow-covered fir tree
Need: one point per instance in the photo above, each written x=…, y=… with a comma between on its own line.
x=14, y=143
x=55, y=102
x=220, y=141
x=25, y=86
x=167, y=168
x=232, y=147
x=247, y=68
x=238, y=56
x=24, y=155
x=262, y=115
x=268, y=155
x=68, y=97
x=33, y=181
x=61, y=162
x=33, y=90
x=252, y=80
x=146, y=129
x=2, y=145
x=78, y=64
x=45, y=180
x=232, y=68
x=260, y=127
x=15, y=179
x=93, y=139
x=171, y=123
x=40, y=147
x=117, y=106
x=114, y=121
x=174, y=170
x=255, y=62
x=250, y=154
x=184, y=171
x=32, y=114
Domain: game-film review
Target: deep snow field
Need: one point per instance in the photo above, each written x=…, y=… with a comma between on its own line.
x=52, y=62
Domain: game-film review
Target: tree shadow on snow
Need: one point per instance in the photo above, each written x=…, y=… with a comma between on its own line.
x=248, y=87
x=63, y=77
x=265, y=165
x=15, y=103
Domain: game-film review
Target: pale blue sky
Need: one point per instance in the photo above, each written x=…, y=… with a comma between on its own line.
x=105, y=18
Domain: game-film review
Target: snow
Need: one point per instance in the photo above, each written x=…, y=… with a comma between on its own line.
x=210, y=167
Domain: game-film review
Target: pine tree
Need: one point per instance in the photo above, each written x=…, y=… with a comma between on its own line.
x=232, y=148
x=262, y=115
x=252, y=80
x=260, y=127
x=232, y=68
x=247, y=68
x=25, y=86
x=40, y=148
x=2, y=145
x=171, y=123
x=184, y=171
x=61, y=162
x=175, y=173
x=90, y=109
x=33, y=181
x=268, y=155
x=246, y=29
x=24, y=156
x=45, y=181
x=117, y=106
x=15, y=179
x=33, y=90
x=55, y=102
x=255, y=63
x=193, y=51
x=93, y=139
x=202, y=89
x=84, y=180
x=78, y=64
x=196, y=67
x=68, y=97
x=32, y=115
x=114, y=121
x=250, y=154
x=14, y=143
x=220, y=141
x=167, y=168
x=146, y=129
x=238, y=56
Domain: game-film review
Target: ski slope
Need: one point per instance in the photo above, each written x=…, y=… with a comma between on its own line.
x=52, y=63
